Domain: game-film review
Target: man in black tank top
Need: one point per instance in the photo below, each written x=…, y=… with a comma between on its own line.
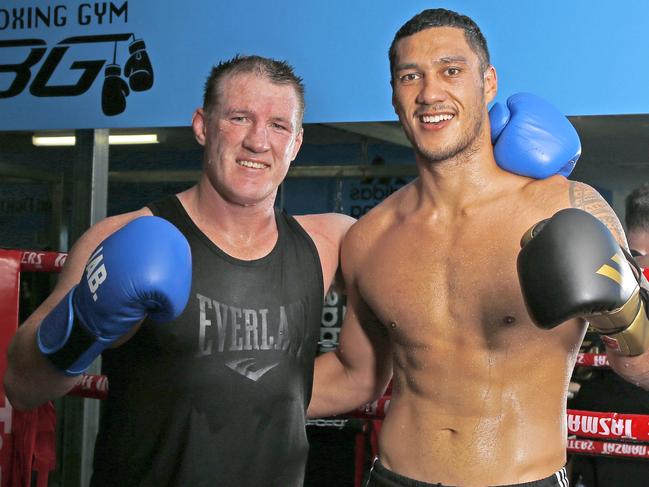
x=217, y=395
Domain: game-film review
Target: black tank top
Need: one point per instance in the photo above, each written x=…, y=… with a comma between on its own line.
x=218, y=397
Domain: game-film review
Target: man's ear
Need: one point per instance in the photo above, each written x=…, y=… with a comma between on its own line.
x=298, y=143
x=199, y=125
x=490, y=84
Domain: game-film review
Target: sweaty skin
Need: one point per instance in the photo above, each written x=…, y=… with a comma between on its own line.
x=479, y=392
x=476, y=386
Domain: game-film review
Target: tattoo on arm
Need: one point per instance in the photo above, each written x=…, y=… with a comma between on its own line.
x=586, y=198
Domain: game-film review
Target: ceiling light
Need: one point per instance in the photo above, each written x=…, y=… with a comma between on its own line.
x=67, y=140
x=59, y=140
x=133, y=139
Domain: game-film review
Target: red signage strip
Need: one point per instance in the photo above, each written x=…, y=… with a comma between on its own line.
x=592, y=360
x=35, y=261
x=597, y=447
x=592, y=424
x=91, y=386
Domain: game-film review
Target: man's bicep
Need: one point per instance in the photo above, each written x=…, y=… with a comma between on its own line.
x=584, y=197
x=364, y=345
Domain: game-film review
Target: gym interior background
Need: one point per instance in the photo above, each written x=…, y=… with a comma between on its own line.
x=340, y=168
x=354, y=152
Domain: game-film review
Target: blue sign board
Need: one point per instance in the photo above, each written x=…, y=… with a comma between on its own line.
x=142, y=63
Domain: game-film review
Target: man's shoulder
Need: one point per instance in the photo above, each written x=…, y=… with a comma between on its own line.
x=319, y=222
x=331, y=218
x=552, y=183
x=106, y=227
x=369, y=229
x=553, y=192
x=111, y=224
x=563, y=192
x=387, y=209
x=330, y=227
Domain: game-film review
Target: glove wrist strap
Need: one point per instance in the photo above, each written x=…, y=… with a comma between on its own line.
x=634, y=339
x=78, y=342
x=65, y=341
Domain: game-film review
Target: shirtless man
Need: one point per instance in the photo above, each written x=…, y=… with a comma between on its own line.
x=434, y=300
x=214, y=392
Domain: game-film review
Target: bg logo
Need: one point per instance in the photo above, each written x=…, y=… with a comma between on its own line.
x=137, y=70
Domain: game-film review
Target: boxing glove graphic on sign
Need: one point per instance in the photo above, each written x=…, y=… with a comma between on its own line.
x=139, y=72
x=138, y=68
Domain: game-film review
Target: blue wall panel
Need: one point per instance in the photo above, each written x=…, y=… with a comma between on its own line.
x=586, y=57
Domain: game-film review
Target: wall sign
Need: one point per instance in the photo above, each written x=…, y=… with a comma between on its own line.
x=142, y=63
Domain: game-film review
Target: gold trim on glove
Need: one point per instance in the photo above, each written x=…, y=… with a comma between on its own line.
x=629, y=340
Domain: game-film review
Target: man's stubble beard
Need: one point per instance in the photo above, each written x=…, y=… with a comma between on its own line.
x=468, y=145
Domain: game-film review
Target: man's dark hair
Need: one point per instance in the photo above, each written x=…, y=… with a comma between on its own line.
x=278, y=72
x=637, y=208
x=440, y=17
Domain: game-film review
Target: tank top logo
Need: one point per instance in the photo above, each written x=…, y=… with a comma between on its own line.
x=251, y=336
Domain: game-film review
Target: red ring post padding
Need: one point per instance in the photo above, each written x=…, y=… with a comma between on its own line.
x=27, y=441
x=9, y=298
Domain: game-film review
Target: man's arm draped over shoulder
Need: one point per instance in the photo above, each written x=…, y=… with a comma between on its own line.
x=359, y=370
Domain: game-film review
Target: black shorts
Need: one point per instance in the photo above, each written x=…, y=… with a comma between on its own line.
x=382, y=477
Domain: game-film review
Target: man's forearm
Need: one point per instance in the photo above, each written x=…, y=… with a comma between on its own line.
x=30, y=380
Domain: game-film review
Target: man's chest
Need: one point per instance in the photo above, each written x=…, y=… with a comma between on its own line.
x=419, y=282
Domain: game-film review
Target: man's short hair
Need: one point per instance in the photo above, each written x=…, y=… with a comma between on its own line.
x=637, y=209
x=440, y=17
x=278, y=72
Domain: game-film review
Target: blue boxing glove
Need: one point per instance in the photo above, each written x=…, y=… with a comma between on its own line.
x=142, y=269
x=532, y=138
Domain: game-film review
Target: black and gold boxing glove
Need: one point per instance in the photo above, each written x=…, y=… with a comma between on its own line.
x=571, y=266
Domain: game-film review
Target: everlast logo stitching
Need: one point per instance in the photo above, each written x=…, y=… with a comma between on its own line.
x=245, y=366
x=225, y=328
